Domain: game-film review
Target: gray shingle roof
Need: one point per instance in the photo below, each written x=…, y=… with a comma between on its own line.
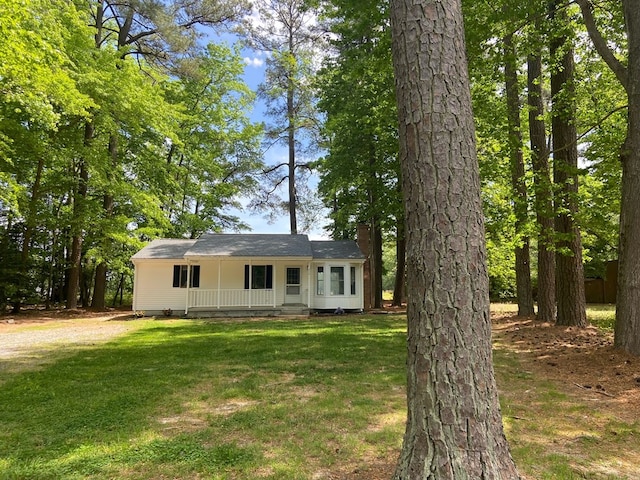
x=346, y=249
x=168, y=248
x=250, y=245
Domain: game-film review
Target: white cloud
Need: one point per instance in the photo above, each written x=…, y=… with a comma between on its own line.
x=254, y=62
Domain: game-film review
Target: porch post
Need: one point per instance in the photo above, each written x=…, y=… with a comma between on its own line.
x=274, y=284
x=186, y=306
x=309, y=286
x=219, y=277
x=250, y=280
x=361, y=286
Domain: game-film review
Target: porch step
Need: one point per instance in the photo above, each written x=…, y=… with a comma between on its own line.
x=294, y=309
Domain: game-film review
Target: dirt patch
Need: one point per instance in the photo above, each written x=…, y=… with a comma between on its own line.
x=36, y=316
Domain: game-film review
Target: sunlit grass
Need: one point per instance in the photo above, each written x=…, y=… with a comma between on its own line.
x=504, y=307
x=602, y=316
x=270, y=399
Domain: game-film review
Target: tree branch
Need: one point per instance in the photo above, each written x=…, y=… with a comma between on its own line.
x=600, y=44
x=600, y=122
x=274, y=168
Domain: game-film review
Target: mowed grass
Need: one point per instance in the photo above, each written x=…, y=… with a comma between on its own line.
x=268, y=399
x=276, y=399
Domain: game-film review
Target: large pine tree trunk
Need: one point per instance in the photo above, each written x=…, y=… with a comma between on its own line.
x=524, y=292
x=569, y=269
x=543, y=193
x=627, y=329
x=454, y=429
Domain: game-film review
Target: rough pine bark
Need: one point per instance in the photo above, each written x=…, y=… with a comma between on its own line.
x=454, y=428
x=524, y=292
x=543, y=193
x=627, y=329
x=570, y=297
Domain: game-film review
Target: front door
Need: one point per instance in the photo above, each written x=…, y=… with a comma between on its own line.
x=293, y=288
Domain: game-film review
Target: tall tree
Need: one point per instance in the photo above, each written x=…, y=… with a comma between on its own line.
x=359, y=173
x=287, y=31
x=569, y=268
x=39, y=76
x=543, y=189
x=158, y=35
x=454, y=429
x=627, y=328
x=495, y=93
x=216, y=157
x=524, y=292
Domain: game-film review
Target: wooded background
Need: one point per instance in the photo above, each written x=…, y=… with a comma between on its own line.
x=123, y=122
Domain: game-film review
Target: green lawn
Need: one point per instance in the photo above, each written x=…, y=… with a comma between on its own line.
x=278, y=399
x=254, y=399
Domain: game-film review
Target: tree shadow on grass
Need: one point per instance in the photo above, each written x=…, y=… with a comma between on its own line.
x=95, y=412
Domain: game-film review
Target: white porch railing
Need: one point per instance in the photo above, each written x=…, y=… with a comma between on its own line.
x=231, y=298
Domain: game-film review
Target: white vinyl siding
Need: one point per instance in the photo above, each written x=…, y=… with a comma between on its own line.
x=154, y=287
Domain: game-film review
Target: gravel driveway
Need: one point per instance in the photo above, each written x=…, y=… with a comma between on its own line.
x=20, y=340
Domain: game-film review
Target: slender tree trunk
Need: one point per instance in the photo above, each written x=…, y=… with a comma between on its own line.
x=74, y=270
x=543, y=193
x=87, y=271
x=376, y=256
x=75, y=256
x=291, y=133
x=454, y=428
x=401, y=252
x=52, y=270
x=293, y=221
x=100, y=284
x=30, y=225
x=524, y=292
x=627, y=328
x=569, y=268
x=118, y=290
x=376, y=231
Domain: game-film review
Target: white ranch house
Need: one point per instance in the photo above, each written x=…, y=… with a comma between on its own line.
x=248, y=274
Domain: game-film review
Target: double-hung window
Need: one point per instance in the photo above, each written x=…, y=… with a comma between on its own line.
x=180, y=276
x=352, y=277
x=337, y=281
x=320, y=281
x=258, y=277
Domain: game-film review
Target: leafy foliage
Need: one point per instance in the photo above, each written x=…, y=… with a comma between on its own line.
x=115, y=127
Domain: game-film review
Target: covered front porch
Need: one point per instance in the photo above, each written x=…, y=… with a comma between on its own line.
x=248, y=285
